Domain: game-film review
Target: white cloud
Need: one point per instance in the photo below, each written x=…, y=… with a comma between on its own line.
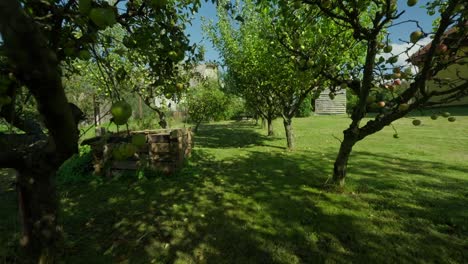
x=406, y=50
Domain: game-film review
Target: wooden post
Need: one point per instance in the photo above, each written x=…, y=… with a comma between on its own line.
x=140, y=107
x=97, y=116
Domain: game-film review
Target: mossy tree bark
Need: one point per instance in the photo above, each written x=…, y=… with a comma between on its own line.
x=38, y=69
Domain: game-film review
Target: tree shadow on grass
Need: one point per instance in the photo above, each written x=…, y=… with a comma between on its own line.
x=431, y=194
x=272, y=208
x=8, y=217
x=233, y=135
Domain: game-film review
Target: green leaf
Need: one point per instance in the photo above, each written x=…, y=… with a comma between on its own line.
x=84, y=6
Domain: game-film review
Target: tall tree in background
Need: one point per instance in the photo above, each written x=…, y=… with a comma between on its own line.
x=242, y=52
x=205, y=102
x=275, y=55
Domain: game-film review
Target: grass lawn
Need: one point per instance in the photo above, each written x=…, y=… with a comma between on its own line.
x=243, y=198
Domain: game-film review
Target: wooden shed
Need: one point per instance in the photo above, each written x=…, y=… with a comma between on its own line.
x=326, y=106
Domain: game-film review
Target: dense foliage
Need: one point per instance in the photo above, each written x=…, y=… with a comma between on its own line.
x=206, y=102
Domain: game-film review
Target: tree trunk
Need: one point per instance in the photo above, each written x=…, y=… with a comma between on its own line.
x=38, y=69
x=341, y=162
x=197, y=125
x=270, y=127
x=289, y=132
x=162, y=119
x=140, y=108
x=37, y=202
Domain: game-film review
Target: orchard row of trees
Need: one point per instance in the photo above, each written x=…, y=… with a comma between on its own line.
x=277, y=52
x=274, y=55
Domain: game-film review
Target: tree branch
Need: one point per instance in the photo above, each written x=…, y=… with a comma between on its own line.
x=38, y=68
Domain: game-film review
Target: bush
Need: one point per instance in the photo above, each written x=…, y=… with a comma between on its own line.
x=206, y=102
x=78, y=168
x=236, y=108
x=351, y=101
x=305, y=109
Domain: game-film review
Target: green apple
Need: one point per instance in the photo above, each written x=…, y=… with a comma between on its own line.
x=121, y=112
x=388, y=49
x=179, y=86
x=412, y=2
x=392, y=59
x=102, y=17
x=173, y=55
x=434, y=117
x=445, y=114
x=84, y=55
x=451, y=119
x=416, y=122
x=415, y=36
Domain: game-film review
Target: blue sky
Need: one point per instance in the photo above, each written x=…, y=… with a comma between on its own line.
x=208, y=11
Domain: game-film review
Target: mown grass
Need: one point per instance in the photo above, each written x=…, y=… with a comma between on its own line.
x=242, y=198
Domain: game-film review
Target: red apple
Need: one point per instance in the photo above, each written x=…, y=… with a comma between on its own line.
x=441, y=48
x=397, y=82
x=381, y=104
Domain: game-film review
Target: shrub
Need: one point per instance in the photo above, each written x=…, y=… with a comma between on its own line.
x=351, y=101
x=305, y=109
x=206, y=102
x=78, y=168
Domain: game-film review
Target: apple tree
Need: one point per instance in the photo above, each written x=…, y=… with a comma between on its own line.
x=118, y=71
x=369, y=21
x=37, y=39
x=241, y=51
x=205, y=102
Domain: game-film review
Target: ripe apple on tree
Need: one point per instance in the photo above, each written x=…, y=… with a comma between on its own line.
x=388, y=49
x=441, y=49
x=416, y=36
x=121, y=112
x=412, y=2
